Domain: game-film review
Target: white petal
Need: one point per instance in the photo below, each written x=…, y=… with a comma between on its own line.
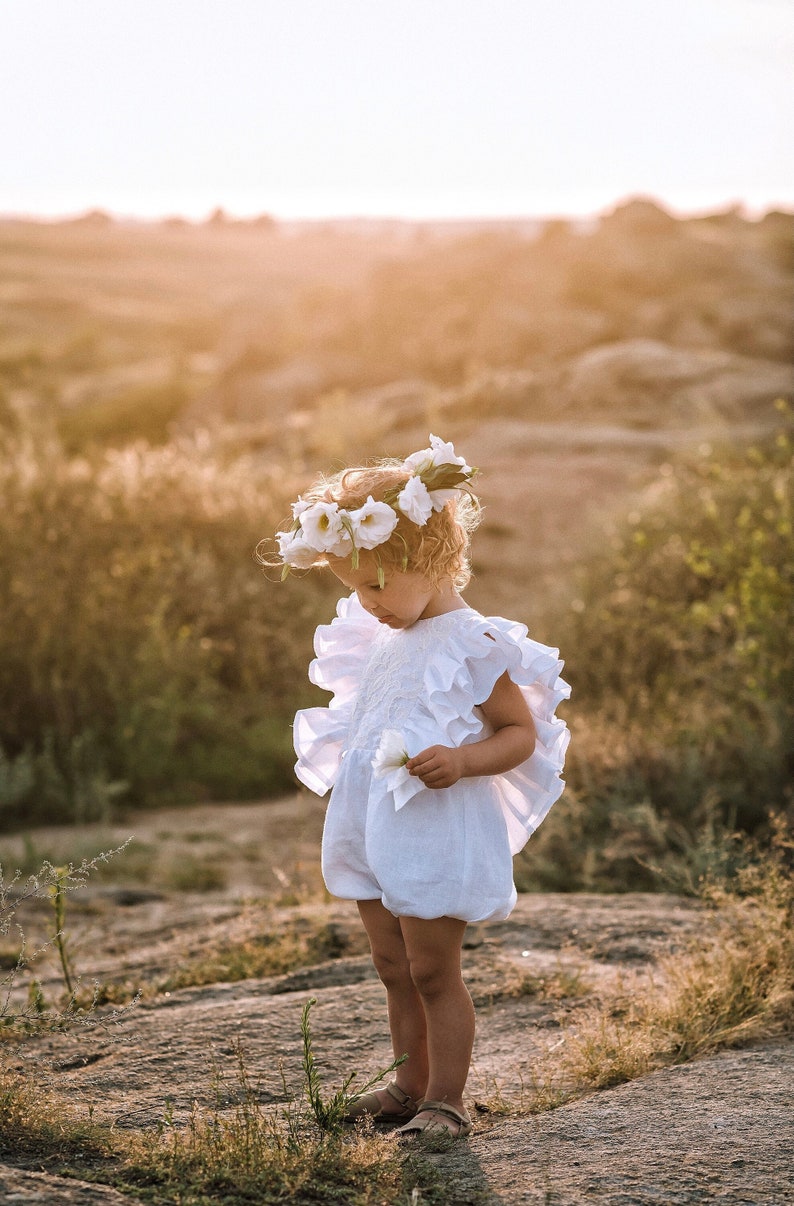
x=415, y=502
x=299, y=507
x=419, y=462
x=373, y=523
x=322, y=526
x=295, y=551
x=443, y=453
x=440, y=498
x=391, y=753
x=343, y=546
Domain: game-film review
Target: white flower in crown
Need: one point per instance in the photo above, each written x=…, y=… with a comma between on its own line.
x=299, y=507
x=323, y=527
x=415, y=501
x=437, y=475
x=440, y=452
x=391, y=754
x=372, y=524
x=295, y=551
x=440, y=498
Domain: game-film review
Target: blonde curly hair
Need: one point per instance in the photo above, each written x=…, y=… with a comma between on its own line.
x=437, y=549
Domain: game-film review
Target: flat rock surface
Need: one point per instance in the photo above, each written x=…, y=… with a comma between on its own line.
x=718, y=1129
x=26, y=1188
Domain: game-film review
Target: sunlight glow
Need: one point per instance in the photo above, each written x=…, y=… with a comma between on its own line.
x=414, y=109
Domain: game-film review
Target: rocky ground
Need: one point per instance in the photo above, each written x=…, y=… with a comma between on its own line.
x=718, y=1129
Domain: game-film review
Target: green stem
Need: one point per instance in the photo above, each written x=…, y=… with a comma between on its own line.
x=59, y=904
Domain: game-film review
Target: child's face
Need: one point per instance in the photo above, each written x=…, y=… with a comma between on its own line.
x=404, y=598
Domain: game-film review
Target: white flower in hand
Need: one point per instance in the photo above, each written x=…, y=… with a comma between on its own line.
x=373, y=523
x=389, y=765
x=295, y=551
x=324, y=530
x=391, y=754
x=415, y=502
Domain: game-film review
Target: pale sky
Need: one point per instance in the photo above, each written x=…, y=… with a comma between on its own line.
x=414, y=108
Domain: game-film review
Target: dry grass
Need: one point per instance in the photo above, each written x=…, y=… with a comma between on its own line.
x=734, y=986
x=730, y=987
x=559, y=985
x=34, y=1122
x=236, y=1156
x=276, y=947
x=247, y=1159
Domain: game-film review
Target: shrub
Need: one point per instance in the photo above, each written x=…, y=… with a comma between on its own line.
x=139, y=413
x=681, y=658
x=141, y=647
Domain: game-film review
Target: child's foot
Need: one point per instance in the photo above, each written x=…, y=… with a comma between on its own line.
x=386, y=1107
x=435, y=1117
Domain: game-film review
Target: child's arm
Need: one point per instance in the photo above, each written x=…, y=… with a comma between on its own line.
x=512, y=742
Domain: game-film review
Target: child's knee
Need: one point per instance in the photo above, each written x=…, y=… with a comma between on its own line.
x=431, y=978
x=392, y=967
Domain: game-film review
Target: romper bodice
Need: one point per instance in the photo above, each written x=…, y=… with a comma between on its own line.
x=427, y=683
x=393, y=679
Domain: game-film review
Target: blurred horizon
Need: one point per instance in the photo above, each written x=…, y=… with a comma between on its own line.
x=738, y=205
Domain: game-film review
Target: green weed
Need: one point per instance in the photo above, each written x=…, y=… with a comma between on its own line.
x=24, y=1012
x=328, y=1112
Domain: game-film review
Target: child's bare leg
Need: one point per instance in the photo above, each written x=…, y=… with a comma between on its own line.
x=433, y=949
x=406, y=1013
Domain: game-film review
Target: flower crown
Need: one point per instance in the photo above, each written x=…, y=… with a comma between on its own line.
x=437, y=474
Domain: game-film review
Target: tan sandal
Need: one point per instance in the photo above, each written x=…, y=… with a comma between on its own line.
x=450, y=1117
x=369, y=1105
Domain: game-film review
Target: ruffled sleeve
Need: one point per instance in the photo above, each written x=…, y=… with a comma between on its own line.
x=342, y=648
x=463, y=675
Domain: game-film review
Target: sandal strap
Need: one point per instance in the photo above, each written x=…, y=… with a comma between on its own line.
x=399, y=1095
x=441, y=1107
x=371, y=1105
x=418, y=1125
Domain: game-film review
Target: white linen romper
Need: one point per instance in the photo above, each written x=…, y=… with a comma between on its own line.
x=446, y=852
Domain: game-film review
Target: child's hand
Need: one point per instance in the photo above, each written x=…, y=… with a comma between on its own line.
x=437, y=766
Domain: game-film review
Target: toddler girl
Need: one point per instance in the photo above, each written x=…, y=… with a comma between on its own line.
x=440, y=743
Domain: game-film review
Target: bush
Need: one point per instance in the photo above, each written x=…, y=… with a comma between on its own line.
x=141, y=647
x=682, y=663
x=139, y=413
